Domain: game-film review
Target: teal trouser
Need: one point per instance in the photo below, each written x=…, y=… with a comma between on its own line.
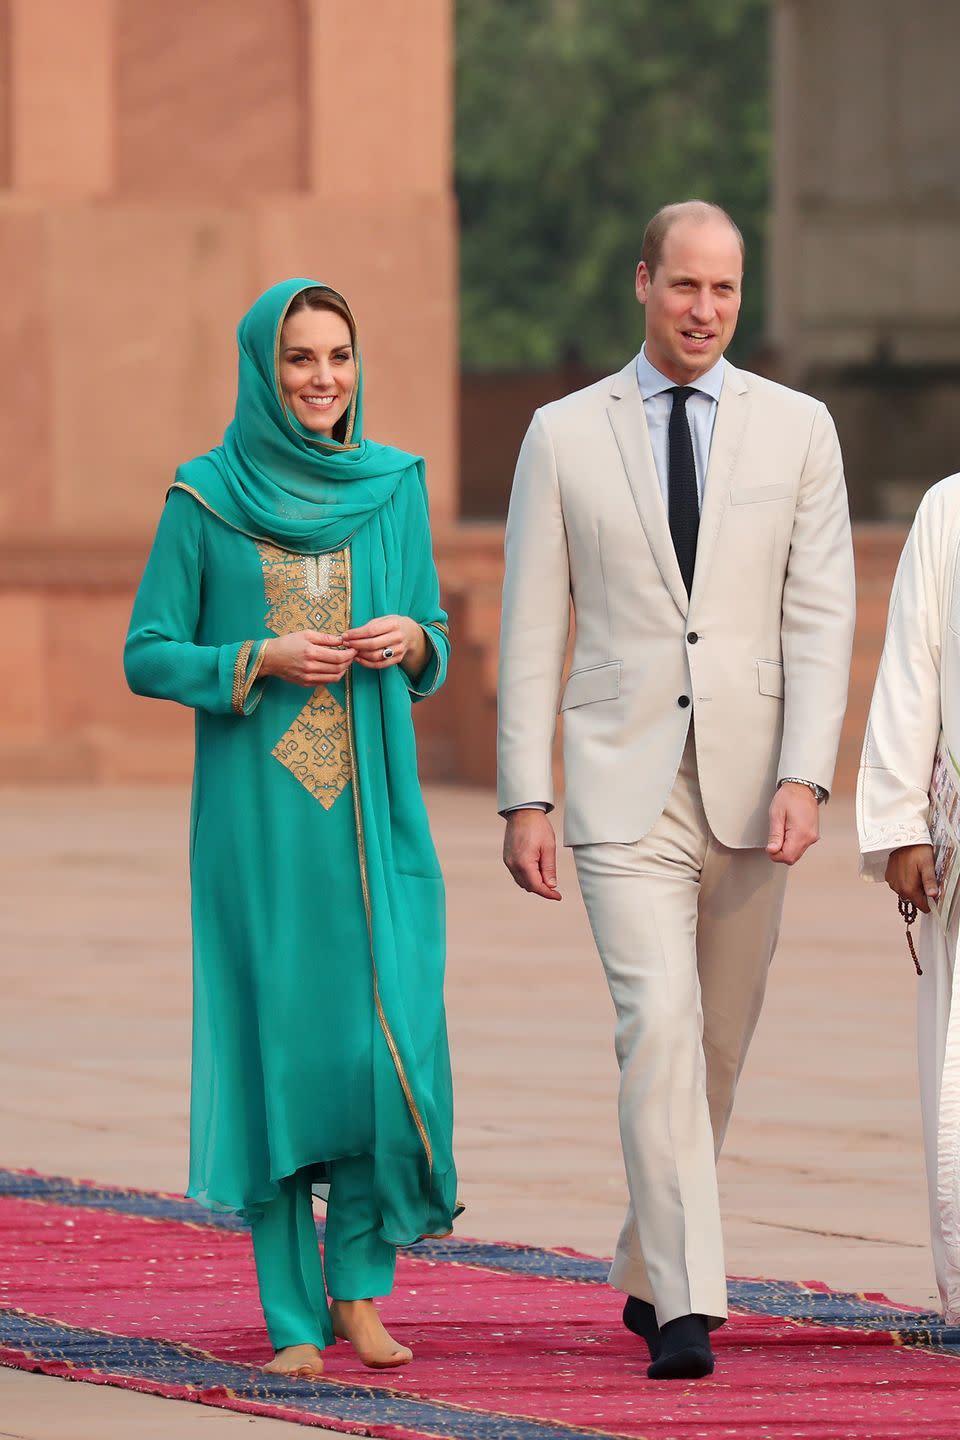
x=359, y=1264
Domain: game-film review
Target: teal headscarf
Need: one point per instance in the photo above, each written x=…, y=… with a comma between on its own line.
x=271, y=477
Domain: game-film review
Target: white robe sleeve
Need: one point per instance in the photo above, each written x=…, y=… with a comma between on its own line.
x=904, y=721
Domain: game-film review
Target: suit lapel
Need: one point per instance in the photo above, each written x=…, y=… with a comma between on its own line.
x=629, y=421
x=724, y=448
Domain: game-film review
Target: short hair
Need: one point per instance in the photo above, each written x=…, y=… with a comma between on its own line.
x=659, y=227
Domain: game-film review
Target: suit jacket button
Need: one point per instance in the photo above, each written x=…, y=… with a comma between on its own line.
x=684, y=701
x=692, y=638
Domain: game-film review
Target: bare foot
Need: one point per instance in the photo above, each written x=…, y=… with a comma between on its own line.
x=358, y=1322
x=297, y=1360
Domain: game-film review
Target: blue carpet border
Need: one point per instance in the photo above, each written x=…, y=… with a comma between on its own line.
x=784, y=1299
x=330, y=1402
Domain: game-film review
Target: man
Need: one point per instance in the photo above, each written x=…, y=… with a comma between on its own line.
x=917, y=696
x=697, y=517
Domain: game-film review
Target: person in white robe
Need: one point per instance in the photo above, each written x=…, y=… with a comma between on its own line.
x=916, y=698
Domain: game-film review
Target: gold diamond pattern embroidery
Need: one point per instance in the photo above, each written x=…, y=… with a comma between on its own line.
x=309, y=592
x=316, y=748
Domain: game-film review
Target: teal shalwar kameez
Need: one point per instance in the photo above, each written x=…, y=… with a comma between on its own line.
x=319, y=1041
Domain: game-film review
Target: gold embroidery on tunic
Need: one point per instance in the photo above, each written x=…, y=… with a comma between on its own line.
x=309, y=592
x=304, y=592
x=316, y=748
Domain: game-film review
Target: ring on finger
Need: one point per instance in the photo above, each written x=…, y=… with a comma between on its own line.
x=388, y=653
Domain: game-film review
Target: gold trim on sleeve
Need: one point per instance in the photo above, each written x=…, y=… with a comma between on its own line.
x=422, y=694
x=239, y=674
x=254, y=670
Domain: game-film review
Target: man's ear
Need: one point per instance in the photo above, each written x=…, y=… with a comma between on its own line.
x=643, y=282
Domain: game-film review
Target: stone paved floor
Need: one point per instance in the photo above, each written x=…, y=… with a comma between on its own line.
x=821, y=1177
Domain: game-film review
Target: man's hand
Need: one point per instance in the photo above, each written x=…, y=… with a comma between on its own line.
x=530, y=852
x=910, y=872
x=794, y=823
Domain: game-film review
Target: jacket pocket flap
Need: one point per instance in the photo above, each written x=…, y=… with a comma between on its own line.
x=596, y=682
x=750, y=494
x=770, y=678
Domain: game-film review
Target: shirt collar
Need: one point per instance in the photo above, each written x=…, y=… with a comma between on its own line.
x=652, y=383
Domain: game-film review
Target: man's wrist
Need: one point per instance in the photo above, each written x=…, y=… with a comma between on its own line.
x=818, y=790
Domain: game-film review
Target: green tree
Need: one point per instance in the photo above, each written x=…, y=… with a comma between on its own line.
x=576, y=120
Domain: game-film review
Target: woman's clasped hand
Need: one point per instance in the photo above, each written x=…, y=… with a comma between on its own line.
x=311, y=658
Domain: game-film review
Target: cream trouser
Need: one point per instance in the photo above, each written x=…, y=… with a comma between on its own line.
x=686, y=930
x=938, y=1034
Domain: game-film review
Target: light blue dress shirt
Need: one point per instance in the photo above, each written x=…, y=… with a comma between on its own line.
x=701, y=416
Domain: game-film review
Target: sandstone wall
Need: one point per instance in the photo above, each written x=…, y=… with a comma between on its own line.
x=159, y=166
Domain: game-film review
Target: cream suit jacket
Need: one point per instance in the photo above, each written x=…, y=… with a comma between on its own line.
x=761, y=648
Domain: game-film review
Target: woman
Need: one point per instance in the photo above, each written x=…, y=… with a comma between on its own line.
x=915, y=701
x=291, y=600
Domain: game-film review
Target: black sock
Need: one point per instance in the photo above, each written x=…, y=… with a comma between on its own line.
x=641, y=1317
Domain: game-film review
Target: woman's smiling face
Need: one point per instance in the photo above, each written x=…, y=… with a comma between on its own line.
x=318, y=369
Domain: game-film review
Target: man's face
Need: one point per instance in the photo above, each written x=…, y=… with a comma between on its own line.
x=693, y=300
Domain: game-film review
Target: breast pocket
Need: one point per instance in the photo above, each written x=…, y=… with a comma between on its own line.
x=755, y=494
x=594, y=682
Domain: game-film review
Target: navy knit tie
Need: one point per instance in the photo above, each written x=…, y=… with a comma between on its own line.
x=684, y=506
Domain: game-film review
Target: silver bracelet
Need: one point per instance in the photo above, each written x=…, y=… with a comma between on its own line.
x=818, y=790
